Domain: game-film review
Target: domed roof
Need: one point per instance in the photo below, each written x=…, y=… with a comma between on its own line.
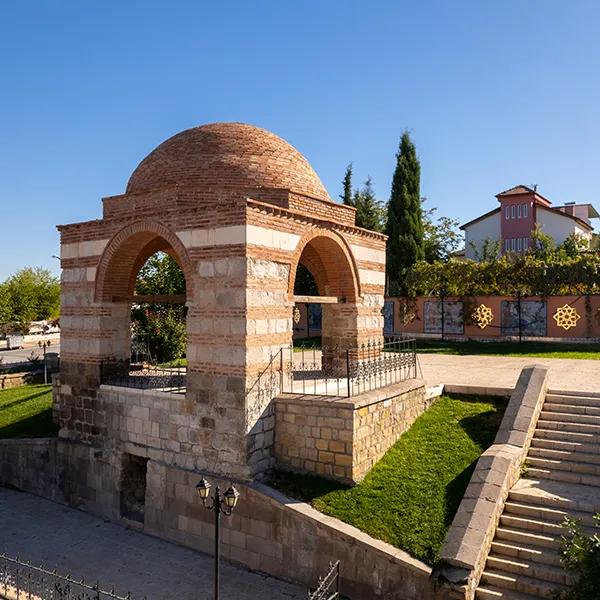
x=226, y=155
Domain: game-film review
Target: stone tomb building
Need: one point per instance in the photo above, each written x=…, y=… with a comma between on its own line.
x=239, y=209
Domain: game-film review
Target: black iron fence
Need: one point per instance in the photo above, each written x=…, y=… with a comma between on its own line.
x=163, y=378
x=23, y=581
x=329, y=586
x=335, y=371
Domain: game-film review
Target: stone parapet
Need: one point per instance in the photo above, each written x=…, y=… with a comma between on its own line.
x=467, y=544
x=342, y=438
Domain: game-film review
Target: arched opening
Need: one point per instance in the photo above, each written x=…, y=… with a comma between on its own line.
x=325, y=290
x=143, y=281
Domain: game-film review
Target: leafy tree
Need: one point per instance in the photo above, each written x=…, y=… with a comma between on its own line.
x=346, y=195
x=440, y=238
x=370, y=213
x=305, y=284
x=404, y=217
x=29, y=295
x=161, y=326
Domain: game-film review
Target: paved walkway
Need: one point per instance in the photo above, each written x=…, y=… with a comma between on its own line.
x=77, y=543
x=503, y=371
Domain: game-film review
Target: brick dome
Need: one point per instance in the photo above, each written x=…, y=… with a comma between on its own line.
x=226, y=155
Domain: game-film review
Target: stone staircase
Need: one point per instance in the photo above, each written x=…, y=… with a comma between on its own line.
x=562, y=478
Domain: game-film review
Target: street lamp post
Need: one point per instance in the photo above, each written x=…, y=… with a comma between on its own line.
x=221, y=504
x=45, y=344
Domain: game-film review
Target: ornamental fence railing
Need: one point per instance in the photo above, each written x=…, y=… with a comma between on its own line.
x=23, y=581
x=162, y=378
x=329, y=586
x=334, y=371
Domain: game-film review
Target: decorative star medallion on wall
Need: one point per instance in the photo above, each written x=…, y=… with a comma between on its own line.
x=483, y=316
x=566, y=316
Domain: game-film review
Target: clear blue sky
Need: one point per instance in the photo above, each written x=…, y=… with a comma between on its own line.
x=495, y=93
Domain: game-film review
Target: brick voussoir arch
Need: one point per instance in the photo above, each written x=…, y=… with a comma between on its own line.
x=335, y=256
x=122, y=256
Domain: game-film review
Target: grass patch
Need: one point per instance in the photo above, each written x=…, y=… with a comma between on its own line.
x=178, y=362
x=307, y=343
x=524, y=349
x=411, y=496
x=26, y=411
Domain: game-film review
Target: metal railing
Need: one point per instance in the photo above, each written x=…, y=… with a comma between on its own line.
x=333, y=371
x=329, y=586
x=23, y=581
x=146, y=377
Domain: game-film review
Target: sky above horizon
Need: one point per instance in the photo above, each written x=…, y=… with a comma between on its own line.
x=494, y=94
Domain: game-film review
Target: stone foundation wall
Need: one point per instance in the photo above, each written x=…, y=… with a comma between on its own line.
x=267, y=532
x=342, y=438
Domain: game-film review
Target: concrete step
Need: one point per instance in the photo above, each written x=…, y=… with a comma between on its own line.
x=568, y=448
x=566, y=476
x=519, y=583
x=582, y=400
x=562, y=455
x=572, y=409
x=545, y=514
x=540, y=555
x=531, y=525
x=557, y=495
x=526, y=538
x=563, y=465
x=565, y=417
x=565, y=436
x=491, y=592
x=567, y=425
x=547, y=573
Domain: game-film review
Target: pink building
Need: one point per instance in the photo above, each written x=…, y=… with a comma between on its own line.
x=521, y=209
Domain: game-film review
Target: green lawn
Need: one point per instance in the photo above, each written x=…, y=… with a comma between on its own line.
x=525, y=349
x=26, y=411
x=410, y=497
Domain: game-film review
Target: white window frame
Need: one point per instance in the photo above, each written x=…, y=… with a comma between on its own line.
x=512, y=211
x=507, y=212
x=519, y=211
x=524, y=211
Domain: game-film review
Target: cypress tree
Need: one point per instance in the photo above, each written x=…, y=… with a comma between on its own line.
x=346, y=195
x=404, y=217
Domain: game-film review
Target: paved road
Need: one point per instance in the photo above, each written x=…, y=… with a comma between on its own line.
x=503, y=371
x=23, y=354
x=75, y=542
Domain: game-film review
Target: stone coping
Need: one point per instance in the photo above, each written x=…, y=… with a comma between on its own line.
x=467, y=544
x=359, y=401
x=307, y=512
x=474, y=390
x=121, y=389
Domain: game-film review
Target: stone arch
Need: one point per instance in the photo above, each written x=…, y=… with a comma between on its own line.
x=127, y=252
x=329, y=259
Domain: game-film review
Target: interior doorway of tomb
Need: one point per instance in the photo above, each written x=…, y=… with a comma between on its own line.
x=133, y=487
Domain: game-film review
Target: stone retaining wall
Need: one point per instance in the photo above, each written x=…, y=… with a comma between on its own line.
x=268, y=532
x=342, y=438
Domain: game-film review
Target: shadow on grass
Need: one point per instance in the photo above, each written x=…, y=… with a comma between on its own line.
x=12, y=403
x=303, y=487
x=38, y=425
x=455, y=492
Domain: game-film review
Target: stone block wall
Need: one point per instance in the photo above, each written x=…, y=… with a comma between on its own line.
x=267, y=532
x=342, y=438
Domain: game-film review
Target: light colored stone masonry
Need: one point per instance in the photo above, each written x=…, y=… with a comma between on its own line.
x=467, y=544
x=342, y=438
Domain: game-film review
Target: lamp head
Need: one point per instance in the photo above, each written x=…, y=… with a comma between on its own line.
x=231, y=497
x=203, y=489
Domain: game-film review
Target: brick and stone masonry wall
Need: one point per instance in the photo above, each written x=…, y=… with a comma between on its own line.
x=268, y=532
x=342, y=438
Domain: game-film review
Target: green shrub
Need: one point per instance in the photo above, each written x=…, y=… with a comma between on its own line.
x=580, y=554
